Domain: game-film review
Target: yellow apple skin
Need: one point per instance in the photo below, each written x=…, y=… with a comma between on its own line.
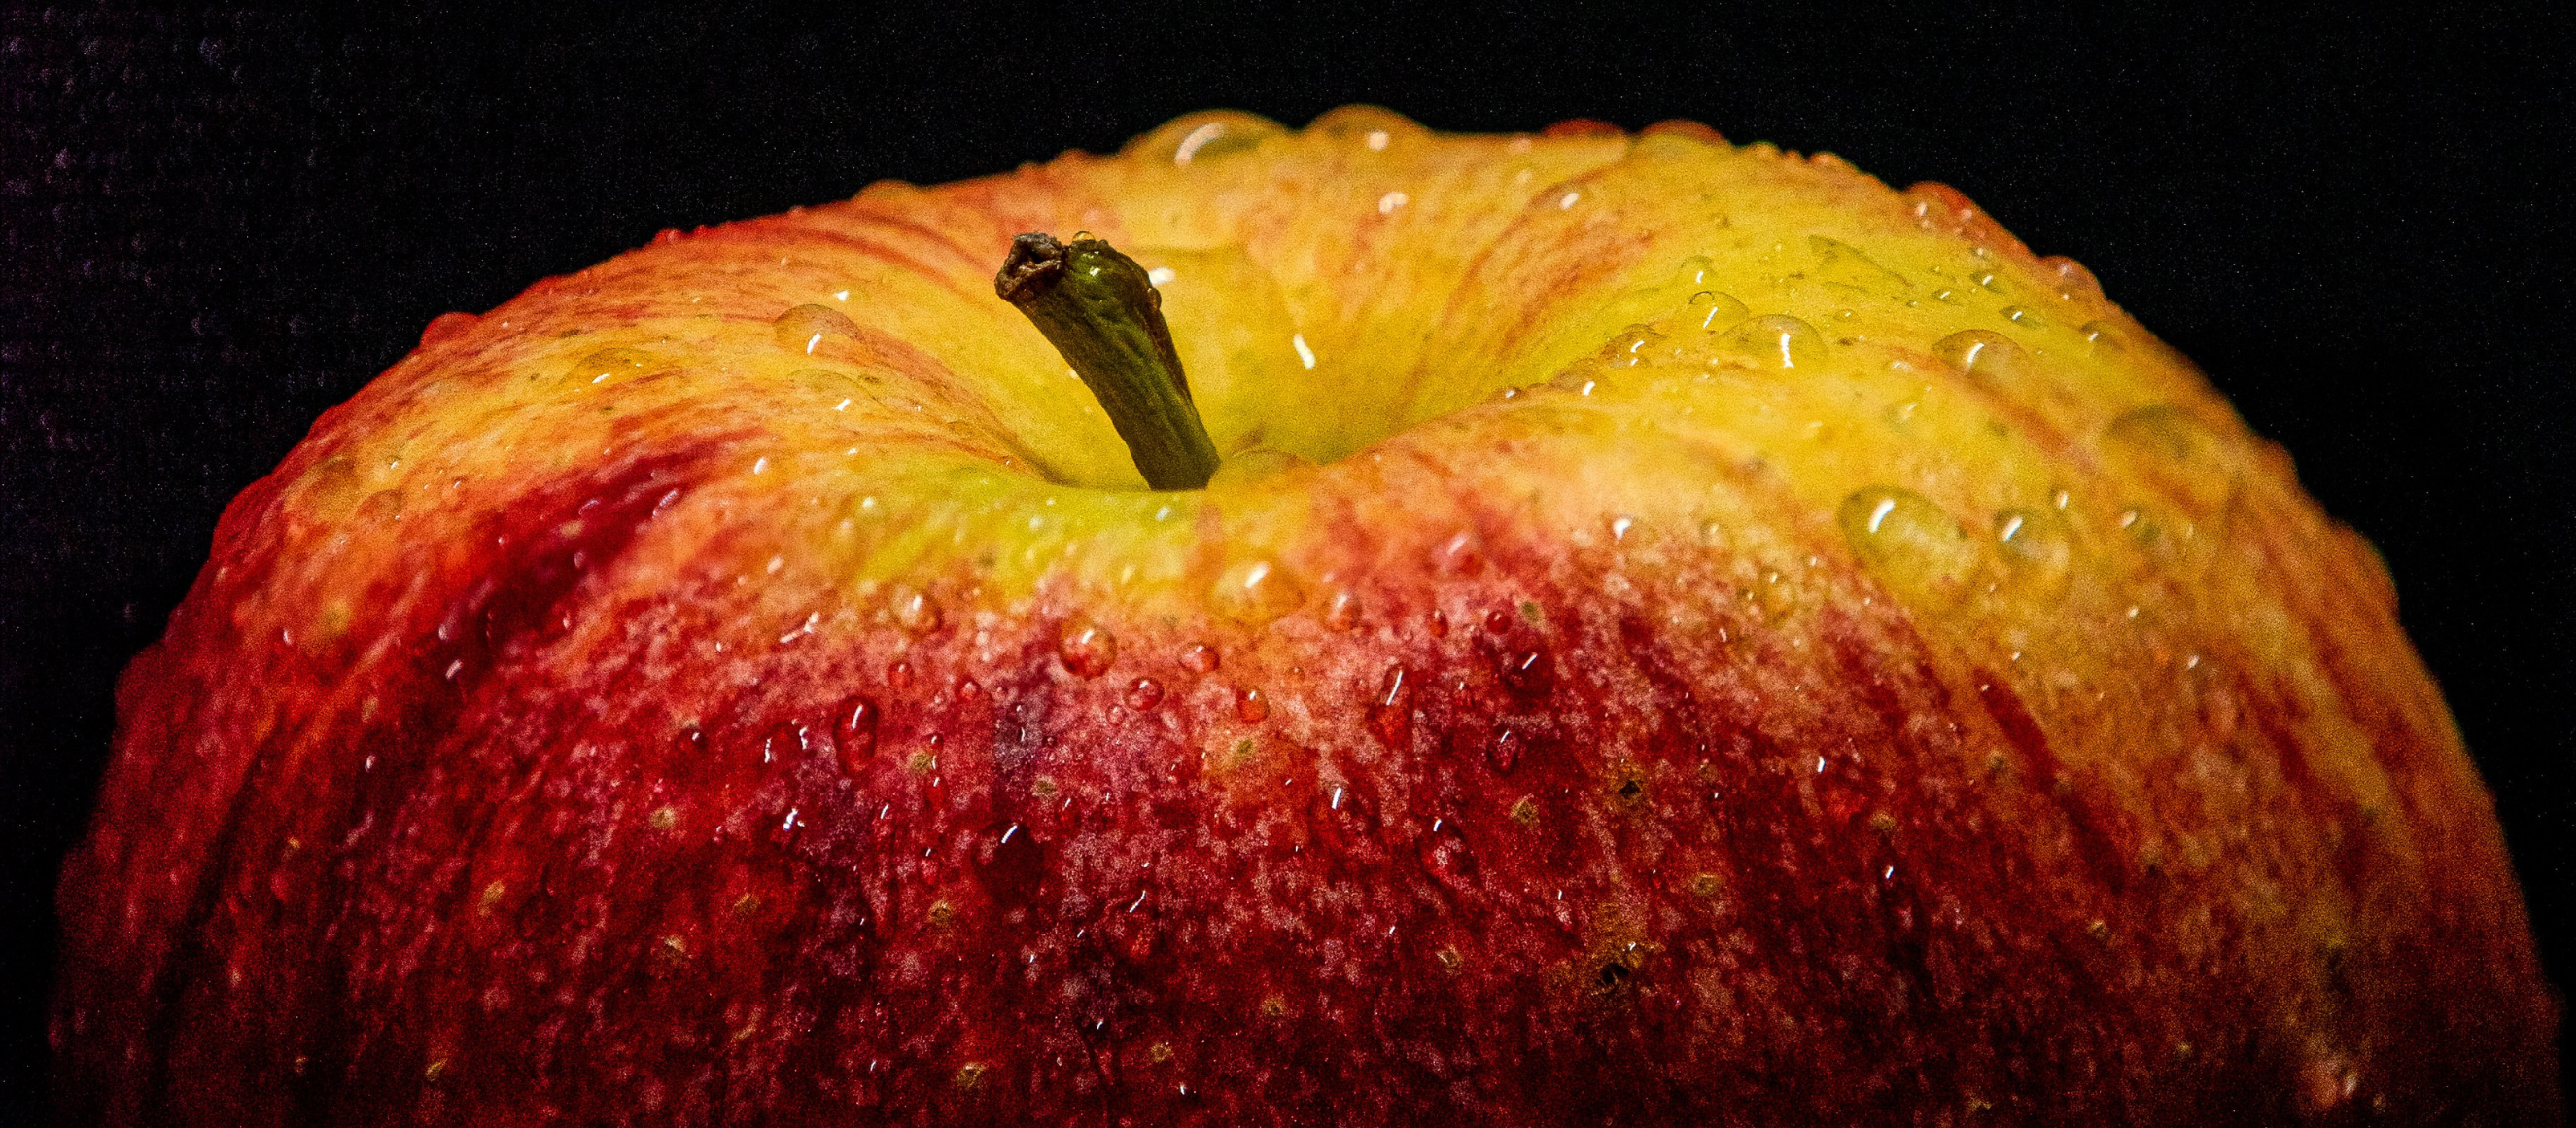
x=1686, y=634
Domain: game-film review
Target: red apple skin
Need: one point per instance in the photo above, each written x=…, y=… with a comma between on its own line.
x=601, y=794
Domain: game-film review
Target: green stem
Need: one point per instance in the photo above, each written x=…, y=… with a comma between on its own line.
x=1099, y=310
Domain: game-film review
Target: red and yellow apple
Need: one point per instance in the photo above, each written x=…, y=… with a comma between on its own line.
x=1681, y=633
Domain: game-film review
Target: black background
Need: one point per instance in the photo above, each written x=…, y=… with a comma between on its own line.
x=218, y=223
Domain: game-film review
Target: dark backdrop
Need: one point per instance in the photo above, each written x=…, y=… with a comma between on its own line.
x=214, y=224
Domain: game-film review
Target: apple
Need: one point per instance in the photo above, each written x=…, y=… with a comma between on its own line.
x=1677, y=633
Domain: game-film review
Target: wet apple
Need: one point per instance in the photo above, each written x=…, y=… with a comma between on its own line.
x=1670, y=633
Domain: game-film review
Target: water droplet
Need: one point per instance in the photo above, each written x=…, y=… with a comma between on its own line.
x=1909, y=543
x=1199, y=658
x=913, y=610
x=1439, y=623
x=803, y=329
x=1256, y=592
x=447, y=327
x=1529, y=672
x=1460, y=555
x=1342, y=611
x=1086, y=649
x=2103, y=336
x=1199, y=138
x=1776, y=341
x=2037, y=547
x=1506, y=751
x=1250, y=706
x=2175, y=452
x=2155, y=532
x=1714, y=312
x=381, y=507
x=611, y=366
x=1390, y=713
x=855, y=734
x=1841, y=264
x=1144, y=693
x=2022, y=317
x=1986, y=357
x=899, y=675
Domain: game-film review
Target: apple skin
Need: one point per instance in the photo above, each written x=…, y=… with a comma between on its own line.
x=745, y=683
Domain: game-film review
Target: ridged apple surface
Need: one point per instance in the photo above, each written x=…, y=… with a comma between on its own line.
x=1682, y=634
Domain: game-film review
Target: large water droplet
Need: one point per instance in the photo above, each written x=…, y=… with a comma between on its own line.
x=2175, y=452
x=447, y=327
x=1506, y=751
x=1988, y=358
x=805, y=328
x=1256, y=592
x=855, y=734
x=381, y=507
x=2037, y=548
x=1250, y=706
x=2103, y=336
x=2158, y=533
x=1199, y=658
x=1342, y=611
x=1529, y=672
x=1370, y=126
x=1086, y=648
x=1909, y=543
x=913, y=610
x=1460, y=555
x=1144, y=693
x=1015, y=868
x=1776, y=341
x=1196, y=139
x=1841, y=264
x=1713, y=312
x=1390, y=713
x=611, y=366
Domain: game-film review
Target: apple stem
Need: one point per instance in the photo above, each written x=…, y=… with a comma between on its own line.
x=1099, y=310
